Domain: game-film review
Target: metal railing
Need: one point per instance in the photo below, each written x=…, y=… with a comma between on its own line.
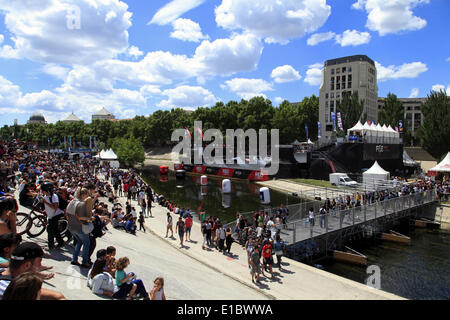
x=306, y=228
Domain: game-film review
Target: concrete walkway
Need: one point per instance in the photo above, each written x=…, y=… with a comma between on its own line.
x=194, y=274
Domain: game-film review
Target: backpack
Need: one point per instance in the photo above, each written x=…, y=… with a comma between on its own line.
x=98, y=227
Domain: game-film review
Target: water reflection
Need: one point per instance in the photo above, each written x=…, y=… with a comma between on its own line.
x=189, y=193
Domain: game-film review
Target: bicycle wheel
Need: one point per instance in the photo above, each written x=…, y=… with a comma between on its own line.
x=38, y=226
x=23, y=223
x=63, y=230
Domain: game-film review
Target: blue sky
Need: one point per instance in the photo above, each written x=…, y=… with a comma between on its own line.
x=135, y=57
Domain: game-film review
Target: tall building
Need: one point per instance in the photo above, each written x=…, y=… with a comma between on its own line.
x=412, y=112
x=347, y=74
x=103, y=114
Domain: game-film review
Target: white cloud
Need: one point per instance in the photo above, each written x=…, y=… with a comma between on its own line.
x=56, y=70
x=314, y=74
x=1, y=38
x=317, y=38
x=248, y=88
x=448, y=59
x=285, y=73
x=187, y=97
x=40, y=30
x=239, y=53
x=414, y=93
x=391, y=16
x=352, y=38
x=134, y=52
x=406, y=70
x=439, y=87
x=187, y=30
x=274, y=20
x=173, y=10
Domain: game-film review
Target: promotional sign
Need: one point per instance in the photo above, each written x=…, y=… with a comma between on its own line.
x=339, y=119
x=319, y=134
x=333, y=118
x=306, y=130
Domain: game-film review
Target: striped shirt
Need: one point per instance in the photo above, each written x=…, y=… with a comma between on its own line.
x=3, y=285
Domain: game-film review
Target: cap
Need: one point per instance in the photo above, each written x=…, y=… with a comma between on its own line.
x=27, y=250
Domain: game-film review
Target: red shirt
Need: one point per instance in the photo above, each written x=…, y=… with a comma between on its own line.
x=267, y=251
x=188, y=222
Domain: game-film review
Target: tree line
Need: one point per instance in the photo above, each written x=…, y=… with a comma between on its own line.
x=291, y=119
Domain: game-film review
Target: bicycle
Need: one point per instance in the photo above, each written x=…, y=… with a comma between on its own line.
x=36, y=222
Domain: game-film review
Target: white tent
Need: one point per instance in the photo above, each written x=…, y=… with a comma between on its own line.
x=443, y=166
x=376, y=175
x=108, y=155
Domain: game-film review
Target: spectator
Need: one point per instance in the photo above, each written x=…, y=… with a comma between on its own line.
x=130, y=226
x=180, y=227
x=228, y=240
x=141, y=221
x=8, y=242
x=267, y=257
x=189, y=222
x=54, y=214
x=220, y=236
x=157, y=293
x=311, y=216
x=7, y=216
x=255, y=265
x=128, y=282
x=203, y=229
x=26, y=286
x=102, y=282
x=280, y=248
x=26, y=257
x=78, y=215
x=169, y=225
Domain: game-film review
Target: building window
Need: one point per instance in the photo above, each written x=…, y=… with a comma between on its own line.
x=332, y=71
x=349, y=85
x=338, y=70
x=338, y=95
x=338, y=86
x=343, y=69
x=408, y=108
x=332, y=79
x=326, y=104
x=417, y=108
x=349, y=69
x=326, y=95
x=343, y=85
x=332, y=95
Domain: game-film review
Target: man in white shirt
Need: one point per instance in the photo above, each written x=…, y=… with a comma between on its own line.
x=51, y=204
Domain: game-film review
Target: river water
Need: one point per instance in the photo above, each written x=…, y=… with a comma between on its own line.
x=416, y=271
x=188, y=193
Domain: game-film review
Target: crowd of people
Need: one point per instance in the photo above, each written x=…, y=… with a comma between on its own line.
x=73, y=190
x=69, y=190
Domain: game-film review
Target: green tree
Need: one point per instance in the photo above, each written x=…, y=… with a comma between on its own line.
x=351, y=109
x=435, y=130
x=391, y=112
x=129, y=151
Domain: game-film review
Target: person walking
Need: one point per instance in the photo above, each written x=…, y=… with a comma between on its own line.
x=180, y=228
x=311, y=216
x=203, y=229
x=144, y=208
x=220, y=236
x=141, y=222
x=279, y=248
x=208, y=232
x=169, y=225
x=51, y=203
x=255, y=264
x=189, y=222
x=228, y=239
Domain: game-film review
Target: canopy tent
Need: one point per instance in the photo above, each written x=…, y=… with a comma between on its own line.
x=376, y=175
x=443, y=166
x=108, y=155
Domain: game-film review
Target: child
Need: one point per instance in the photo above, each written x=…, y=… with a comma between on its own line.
x=157, y=293
x=127, y=283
